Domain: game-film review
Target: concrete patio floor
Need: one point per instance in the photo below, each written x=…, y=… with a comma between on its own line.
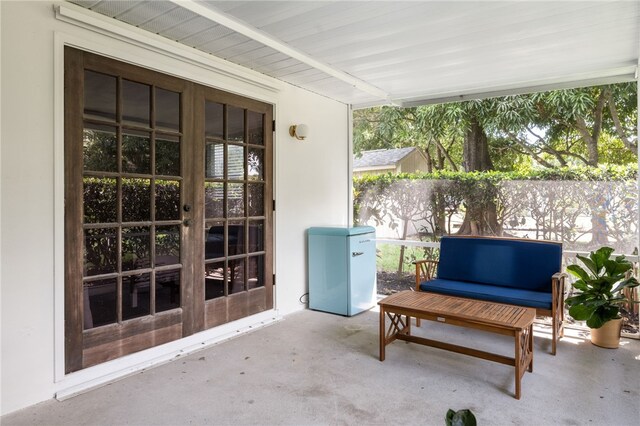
x=317, y=368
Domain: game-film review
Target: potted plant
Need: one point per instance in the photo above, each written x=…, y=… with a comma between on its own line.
x=460, y=418
x=600, y=286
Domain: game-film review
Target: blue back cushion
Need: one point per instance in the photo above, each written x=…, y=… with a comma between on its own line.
x=507, y=263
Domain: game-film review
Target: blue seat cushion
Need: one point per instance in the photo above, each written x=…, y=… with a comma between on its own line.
x=490, y=293
x=521, y=264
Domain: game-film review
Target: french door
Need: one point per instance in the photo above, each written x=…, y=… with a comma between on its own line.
x=168, y=212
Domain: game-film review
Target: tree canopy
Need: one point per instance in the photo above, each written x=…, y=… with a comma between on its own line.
x=573, y=127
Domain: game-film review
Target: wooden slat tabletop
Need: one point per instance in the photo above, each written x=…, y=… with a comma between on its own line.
x=479, y=311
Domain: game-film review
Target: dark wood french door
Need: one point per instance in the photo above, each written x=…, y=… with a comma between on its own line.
x=168, y=215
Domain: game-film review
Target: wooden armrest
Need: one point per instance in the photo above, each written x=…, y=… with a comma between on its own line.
x=557, y=282
x=557, y=289
x=559, y=276
x=425, y=270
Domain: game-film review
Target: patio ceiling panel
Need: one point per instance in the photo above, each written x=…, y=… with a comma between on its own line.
x=110, y=8
x=368, y=30
x=217, y=44
x=236, y=52
x=264, y=62
x=258, y=53
x=258, y=59
x=342, y=91
x=181, y=31
x=279, y=64
x=141, y=13
x=465, y=43
x=269, y=13
x=311, y=27
x=413, y=52
x=309, y=76
x=416, y=37
x=161, y=23
x=291, y=69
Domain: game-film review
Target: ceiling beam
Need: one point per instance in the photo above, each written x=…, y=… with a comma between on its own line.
x=261, y=37
x=618, y=75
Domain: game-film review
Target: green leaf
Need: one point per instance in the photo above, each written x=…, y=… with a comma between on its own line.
x=601, y=285
x=448, y=418
x=603, y=315
x=581, y=312
x=460, y=418
x=574, y=300
x=578, y=271
x=595, y=321
x=589, y=264
x=615, y=267
x=628, y=283
x=600, y=256
x=580, y=285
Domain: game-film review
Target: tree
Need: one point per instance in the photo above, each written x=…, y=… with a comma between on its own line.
x=556, y=128
x=391, y=127
x=567, y=127
x=437, y=129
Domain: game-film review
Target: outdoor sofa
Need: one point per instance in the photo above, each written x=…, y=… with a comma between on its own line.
x=504, y=270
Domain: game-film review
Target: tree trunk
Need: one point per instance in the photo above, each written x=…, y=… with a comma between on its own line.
x=440, y=158
x=405, y=224
x=476, y=149
x=429, y=160
x=438, y=219
x=591, y=139
x=618, y=125
x=480, y=219
x=599, y=230
x=444, y=152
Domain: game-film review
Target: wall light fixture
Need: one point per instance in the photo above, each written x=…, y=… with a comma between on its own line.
x=299, y=131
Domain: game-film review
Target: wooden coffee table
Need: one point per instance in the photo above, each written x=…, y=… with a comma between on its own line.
x=497, y=318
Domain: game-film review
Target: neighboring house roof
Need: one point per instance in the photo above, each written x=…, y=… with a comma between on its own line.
x=381, y=157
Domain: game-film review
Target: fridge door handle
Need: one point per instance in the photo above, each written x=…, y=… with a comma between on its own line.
x=357, y=253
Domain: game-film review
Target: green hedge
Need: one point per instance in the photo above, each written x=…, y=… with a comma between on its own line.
x=602, y=173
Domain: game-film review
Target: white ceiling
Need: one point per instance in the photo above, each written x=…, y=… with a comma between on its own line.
x=404, y=52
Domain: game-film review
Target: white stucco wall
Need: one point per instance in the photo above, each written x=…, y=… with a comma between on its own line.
x=311, y=184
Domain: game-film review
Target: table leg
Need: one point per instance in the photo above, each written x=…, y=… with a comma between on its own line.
x=382, y=333
x=518, y=362
x=531, y=347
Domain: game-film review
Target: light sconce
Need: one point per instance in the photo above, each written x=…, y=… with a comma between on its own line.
x=299, y=131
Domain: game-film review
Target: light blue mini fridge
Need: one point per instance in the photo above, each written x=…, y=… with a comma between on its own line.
x=342, y=269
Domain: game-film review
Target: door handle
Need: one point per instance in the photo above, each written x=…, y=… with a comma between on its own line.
x=357, y=253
